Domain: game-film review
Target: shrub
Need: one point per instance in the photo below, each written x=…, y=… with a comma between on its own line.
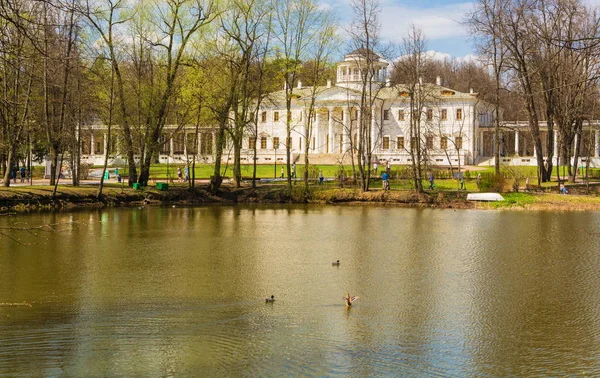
x=491, y=182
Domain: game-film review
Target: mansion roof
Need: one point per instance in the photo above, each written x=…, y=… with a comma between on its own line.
x=339, y=94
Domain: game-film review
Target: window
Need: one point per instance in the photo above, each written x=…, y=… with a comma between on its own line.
x=401, y=115
x=386, y=115
x=459, y=113
x=165, y=144
x=400, y=143
x=263, y=143
x=342, y=115
x=429, y=142
x=444, y=114
x=429, y=114
x=263, y=117
x=206, y=142
x=276, y=142
x=252, y=143
x=275, y=116
x=458, y=142
x=413, y=142
x=386, y=142
x=484, y=118
x=444, y=143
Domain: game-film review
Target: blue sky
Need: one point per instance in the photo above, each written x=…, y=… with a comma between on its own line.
x=439, y=20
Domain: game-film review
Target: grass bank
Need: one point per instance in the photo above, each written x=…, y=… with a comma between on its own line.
x=40, y=197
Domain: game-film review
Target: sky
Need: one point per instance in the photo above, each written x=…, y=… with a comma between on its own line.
x=440, y=20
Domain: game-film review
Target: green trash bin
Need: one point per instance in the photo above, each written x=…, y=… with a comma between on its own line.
x=137, y=186
x=106, y=175
x=162, y=186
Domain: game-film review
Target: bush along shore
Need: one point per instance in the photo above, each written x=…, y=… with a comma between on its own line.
x=28, y=198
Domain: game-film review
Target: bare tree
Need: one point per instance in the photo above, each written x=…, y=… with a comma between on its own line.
x=295, y=26
x=16, y=68
x=412, y=65
x=365, y=39
x=485, y=23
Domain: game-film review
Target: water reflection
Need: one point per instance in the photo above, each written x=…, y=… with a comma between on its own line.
x=176, y=291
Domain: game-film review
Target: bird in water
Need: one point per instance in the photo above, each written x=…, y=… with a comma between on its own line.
x=349, y=300
x=270, y=299
x=336, y=263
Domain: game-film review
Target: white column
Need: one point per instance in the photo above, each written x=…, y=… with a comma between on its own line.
x=596, y=143
x=171, y=146
x=316, y=132
x=198, y=144
x=374, y=131
x=346, y=130
x=555, y=146
x=331, y=138
x=517, y=143
x=93, y=144
x=357, y=128
x=185, y=136
x=105, y=143
x=214, y=143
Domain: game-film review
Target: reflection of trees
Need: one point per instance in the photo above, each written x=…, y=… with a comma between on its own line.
x=19, y=233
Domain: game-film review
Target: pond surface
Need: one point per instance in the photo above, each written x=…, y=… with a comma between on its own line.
x=180, y=291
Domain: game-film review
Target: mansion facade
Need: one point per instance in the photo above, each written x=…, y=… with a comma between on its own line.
x=456, y=127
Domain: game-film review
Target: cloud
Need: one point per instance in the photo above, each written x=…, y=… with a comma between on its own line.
x=436, y=22
x=441, y=56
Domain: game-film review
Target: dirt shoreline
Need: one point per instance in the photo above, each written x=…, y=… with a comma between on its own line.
x=25, y=199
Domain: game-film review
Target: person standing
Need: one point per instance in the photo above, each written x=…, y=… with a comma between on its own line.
x=375, y=168
x=281, y=172
x=294, y=170
x=385, y=181
x=430, y=180
x=23, y=171
x=479, y=181
x=320, y=177
x=462, y=182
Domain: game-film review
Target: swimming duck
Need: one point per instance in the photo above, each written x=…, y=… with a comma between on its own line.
x=270, y=299
x=349, y=300
x=336, y=263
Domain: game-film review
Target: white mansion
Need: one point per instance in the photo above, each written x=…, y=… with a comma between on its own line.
x=455, y=127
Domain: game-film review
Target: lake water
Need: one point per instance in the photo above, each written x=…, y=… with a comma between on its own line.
x=180, y=291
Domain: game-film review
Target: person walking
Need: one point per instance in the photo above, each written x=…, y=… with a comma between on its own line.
x=179, y=177
x=23, y=171
x=375, y=168
x=462, y=183
x=187, y=173
x=320, y=177
x=281, y=172
x=430, y=180
x=479, y=181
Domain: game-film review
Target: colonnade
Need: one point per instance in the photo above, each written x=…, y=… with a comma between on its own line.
x=518, y=143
